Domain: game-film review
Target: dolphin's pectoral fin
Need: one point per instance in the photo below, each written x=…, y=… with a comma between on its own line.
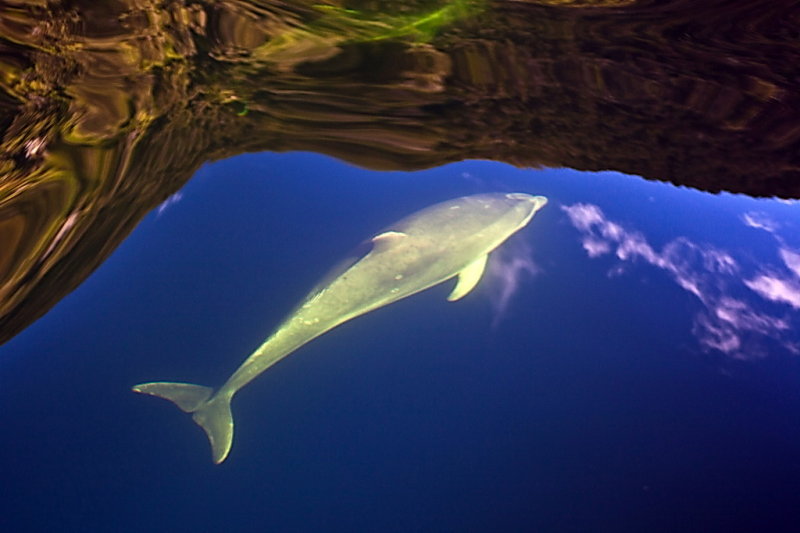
x=468, y=278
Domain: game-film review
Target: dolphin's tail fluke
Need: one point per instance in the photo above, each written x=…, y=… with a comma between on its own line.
x=211, y=412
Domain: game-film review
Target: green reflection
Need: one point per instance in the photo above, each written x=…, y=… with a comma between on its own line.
x=320, y=39
x=420, y=28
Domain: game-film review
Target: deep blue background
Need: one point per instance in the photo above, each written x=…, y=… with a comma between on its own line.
x=589, y=406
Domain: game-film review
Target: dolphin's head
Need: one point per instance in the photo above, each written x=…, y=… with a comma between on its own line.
x=472, y=218
x=524, y=205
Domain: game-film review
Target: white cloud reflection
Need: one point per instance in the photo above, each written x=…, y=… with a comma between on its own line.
x=754, y=219
x=730, y=320
x=508, y=266
x=791, y=259
x=779, y=284
x=776, y=289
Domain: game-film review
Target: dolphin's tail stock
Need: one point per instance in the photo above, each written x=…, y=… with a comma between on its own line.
x=211, y=412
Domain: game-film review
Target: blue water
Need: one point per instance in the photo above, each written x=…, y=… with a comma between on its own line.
x=630, y=362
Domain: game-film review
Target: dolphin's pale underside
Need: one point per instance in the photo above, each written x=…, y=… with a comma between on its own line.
x=449, y=239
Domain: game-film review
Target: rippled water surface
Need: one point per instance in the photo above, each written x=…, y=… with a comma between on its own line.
x=628, y=362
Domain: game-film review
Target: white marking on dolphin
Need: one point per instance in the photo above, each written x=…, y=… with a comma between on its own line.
x=446, y=240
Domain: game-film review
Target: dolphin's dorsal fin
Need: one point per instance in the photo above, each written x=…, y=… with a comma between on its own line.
x=386, y=238
x=468, y=278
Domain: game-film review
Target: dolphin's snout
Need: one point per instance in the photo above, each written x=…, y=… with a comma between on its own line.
x=539, y=202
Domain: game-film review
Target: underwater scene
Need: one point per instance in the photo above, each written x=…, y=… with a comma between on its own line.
x=412, y=266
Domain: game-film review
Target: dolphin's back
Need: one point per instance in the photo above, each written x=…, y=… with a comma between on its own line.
x=459, y=218
x=411, y=255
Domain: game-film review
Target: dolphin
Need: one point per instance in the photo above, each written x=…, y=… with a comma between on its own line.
x=447, y=240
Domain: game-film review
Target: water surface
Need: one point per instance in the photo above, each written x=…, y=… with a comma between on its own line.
x=630, y=363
